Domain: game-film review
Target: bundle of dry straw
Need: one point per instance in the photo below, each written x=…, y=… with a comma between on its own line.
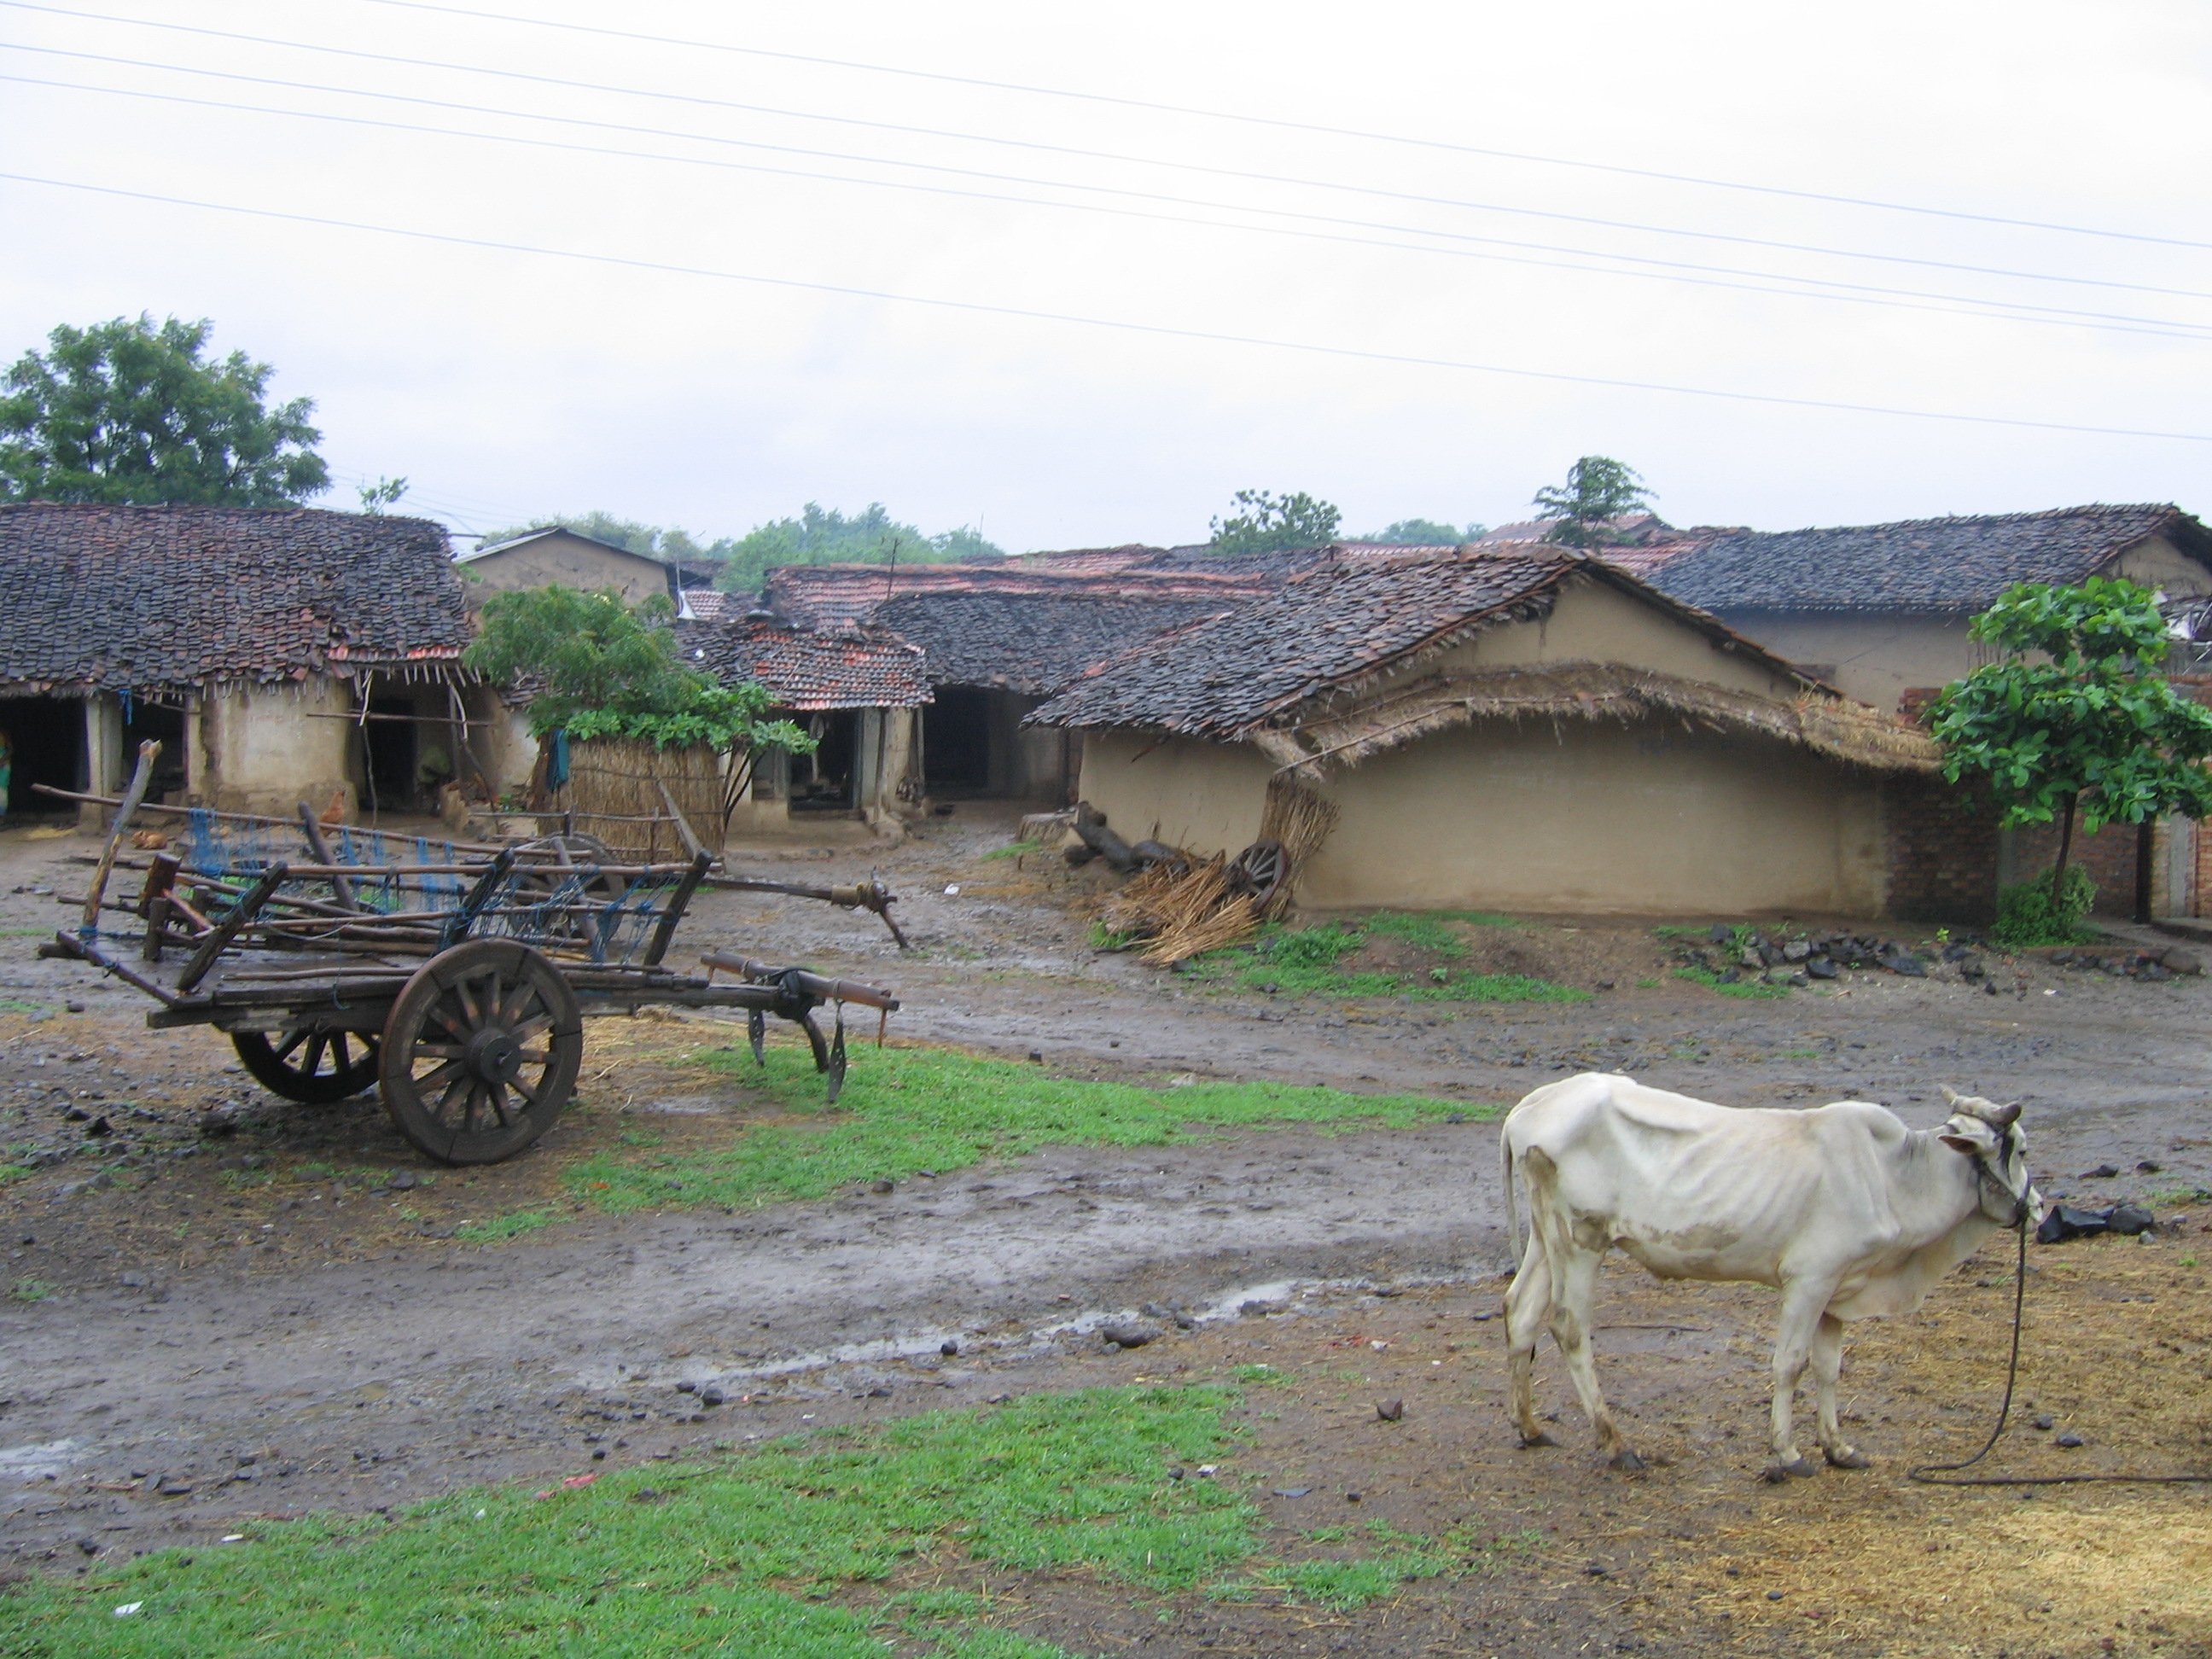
x=1184, y=912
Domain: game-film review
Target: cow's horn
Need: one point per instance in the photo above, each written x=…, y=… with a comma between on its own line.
x=1950, y=1095
x=2001, y=1116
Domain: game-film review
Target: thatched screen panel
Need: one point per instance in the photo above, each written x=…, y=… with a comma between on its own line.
x=614, y=790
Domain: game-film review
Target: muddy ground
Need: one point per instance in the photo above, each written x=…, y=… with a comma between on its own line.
x=223, y=1305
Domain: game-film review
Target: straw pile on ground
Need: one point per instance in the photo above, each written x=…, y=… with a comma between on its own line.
x=1182, y=909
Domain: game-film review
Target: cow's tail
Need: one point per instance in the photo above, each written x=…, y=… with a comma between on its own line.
x=1512, y=1207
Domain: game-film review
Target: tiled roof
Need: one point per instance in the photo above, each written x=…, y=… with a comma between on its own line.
x=851, y=666
x=1945, y=565
x=1331, y=627
x=1035, y=643
x=116, y=598
x=711, y=603
x=814, y=595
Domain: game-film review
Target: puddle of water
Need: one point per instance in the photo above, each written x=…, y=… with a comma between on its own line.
x=37, y=1463
x=925, y=1344
x=682, y=1105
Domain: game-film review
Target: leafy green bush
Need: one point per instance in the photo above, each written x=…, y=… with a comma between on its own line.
x=2030, y=913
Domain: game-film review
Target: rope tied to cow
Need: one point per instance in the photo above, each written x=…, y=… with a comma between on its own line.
x=1948, y=1474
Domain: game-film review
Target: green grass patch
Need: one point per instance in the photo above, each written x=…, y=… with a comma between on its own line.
x=12, y=1172
x=17, y=1005
x=1750, y=988
x=777, y=1552
x=907, y=1109
x=1013, y=850
x=30, y=1290
x=498, y=1229
x=1310, y=962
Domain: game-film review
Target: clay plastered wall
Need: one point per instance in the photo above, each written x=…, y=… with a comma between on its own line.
x=1591, y=622
x=259, y=750
x=570, y=562
x=1874, y=656
x=1599, y=818
x=1203, y=796
x=2158, y=563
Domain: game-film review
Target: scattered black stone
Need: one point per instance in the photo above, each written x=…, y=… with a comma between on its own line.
x=2102, y=1172
x=2070, y=1441
x=948, y=1347
x=1129, y=1336
x=711, y=1396
x=2065, y=1221
x=2045, y=1421
x=1390, y=1411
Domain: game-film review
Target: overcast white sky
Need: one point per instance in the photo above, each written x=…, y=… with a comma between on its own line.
x=507, y=385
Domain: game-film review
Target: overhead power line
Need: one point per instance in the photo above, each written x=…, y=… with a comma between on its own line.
x=1679, y=271
x=1535, y=158
x=905, y=130
x=1157, y=330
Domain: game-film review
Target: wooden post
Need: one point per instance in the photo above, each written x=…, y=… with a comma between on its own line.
x=311, y=827
x=223, y=931
x=691, y=842
x=141, y=781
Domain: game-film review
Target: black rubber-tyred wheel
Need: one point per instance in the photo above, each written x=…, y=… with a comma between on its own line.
x=481, y=1051
x=316, y=1068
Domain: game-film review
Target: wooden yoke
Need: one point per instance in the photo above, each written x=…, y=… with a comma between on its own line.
x=141, y=781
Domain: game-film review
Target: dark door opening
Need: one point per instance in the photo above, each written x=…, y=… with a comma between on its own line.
x=392, y=756
x=823, y=781
x=45, y=738
x=956, y=740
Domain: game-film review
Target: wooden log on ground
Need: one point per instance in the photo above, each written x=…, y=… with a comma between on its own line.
x=141, y=781
x=1100, y=842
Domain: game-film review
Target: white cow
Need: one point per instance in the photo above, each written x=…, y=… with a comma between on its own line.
x=1840, y=1207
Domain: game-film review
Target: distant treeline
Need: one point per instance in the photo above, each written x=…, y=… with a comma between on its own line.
x=816, y=535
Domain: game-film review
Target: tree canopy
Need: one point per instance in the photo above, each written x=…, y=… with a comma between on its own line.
x=827, y=536
x=127, y=411
x=597, y=669
x=1426, y=533
x=1258, y=522
x=1598, y=490
x=2074, y=721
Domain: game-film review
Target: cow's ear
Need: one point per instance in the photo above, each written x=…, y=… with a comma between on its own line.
x=1965, y=1144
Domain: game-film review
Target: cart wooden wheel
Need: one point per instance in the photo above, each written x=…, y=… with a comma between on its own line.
x=1259, y=869
x=481, y=1051
x=316, y=1068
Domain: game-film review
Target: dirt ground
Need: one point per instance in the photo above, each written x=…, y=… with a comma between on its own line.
x=223, y=1305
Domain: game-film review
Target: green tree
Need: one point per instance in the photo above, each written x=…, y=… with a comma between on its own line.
x=1262, y=523
x=1598, y=490
x=827, y=536
x=599, y=668
x=384, y=492
x=127, y=411
x=1426, y=533
x=2073, y=722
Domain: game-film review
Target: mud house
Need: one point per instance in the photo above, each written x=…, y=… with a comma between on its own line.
x=997, y=640
x=554, y=556
x=853, y=685
x=1508, y=726
x=278, y=654
x=1881, y=612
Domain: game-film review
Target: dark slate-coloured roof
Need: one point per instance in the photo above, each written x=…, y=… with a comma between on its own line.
x=97, y=598
x=1034, y=643
x=817, y=594
x=1332, y=626
x=1954, y=566
x=850, y=666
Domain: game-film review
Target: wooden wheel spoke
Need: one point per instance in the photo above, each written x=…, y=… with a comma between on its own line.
x=528, y=1093
x=441, y=1050
x=438, y=1012
x=440, y=1078
x=458, y=1087
x=496, y=1093
x=317, y=1046
x=525, y=993
x=291, y=1042
x=471, y=1010
x=525, y=1030
x=534, y=1056
x=340, y=1058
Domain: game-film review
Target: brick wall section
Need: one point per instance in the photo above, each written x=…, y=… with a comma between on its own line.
x=2109, y=856
x=1941, y=849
